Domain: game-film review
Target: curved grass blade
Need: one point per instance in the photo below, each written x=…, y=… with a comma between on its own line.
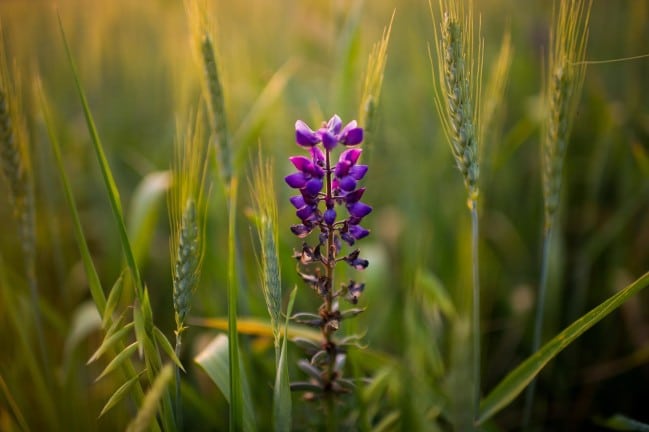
x=120, y=393
x=146, y=415
x=166, y=347
x=621, y=422
x=113, y=300
x=109, y=181
x=514, y=383
x=110, y=341
x=215, y=361
x=118, y=360
x=282, y=404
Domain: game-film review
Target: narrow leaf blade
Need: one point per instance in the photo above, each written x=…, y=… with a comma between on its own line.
x=282, y=404
x=215, y=361
x=516, y=381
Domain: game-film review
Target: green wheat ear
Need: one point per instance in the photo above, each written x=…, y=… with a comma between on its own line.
x=15, y=159
x=202, y=30
x=265, y=204
x=563, y=84
x=457, y=94
x=373, y=82
x=187, y=205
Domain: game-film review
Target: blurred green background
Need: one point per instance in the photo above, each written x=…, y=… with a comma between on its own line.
x=137, y=67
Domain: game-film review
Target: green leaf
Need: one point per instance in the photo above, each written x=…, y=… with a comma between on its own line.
x=167, y=348
x=282, y=404
x=146, y=415
x=623, y=423
x=144, y=211
x=110, y=341
x=118, y=360
x=433, y=289
x=514, y=383
x=109, y=181
x=113, y=300
x=96, y=290
x=140, y=332
x=120, y=393
x=215, y=361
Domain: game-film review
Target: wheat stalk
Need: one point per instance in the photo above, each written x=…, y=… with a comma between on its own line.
x=457, y=95
x=564, y=81
x=265, y=204
x=202, y=41
x=565, y=78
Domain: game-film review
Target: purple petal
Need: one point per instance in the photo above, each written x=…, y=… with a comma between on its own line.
x=342, y=168
x=334, y=124
x=305, y=212
x=313, y=186
x=300, y=230
x=351, y=155
x=330, y=216
x=297, y=201
x=358, y=232
x=347, y=183
x=304, y=136
x=359, y=209
x=329, y=141
x=296, y=180
x=351, y=134
x=318, y=156
x=358, y=171
x=310, y=199
x=302, y=163
x=354, y=196
x=347, y=238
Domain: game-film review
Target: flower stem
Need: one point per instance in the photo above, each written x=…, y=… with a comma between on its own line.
x=475, y=309
x=538, y=321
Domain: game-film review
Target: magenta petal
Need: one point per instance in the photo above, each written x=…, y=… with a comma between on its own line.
x=342, y=168
x=302, y=163
x=318, y=155
x=358, y=171
x=304, y=136
x=351, y=155
x=297, y=180
x=359, y=209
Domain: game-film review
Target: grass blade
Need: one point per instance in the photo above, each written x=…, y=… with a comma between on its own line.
x=118, y=360
x=109, y=181
x=215, y=361
x=282, y=391
x=110, y=341
x=516, y=381
x=113, y=300
x=166, y=347
x=146, y=414
x=120, y=394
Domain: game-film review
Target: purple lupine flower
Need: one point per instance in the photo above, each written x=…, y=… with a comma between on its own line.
x=330, y=202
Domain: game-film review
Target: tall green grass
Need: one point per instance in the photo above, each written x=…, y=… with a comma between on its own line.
x=100, y=129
